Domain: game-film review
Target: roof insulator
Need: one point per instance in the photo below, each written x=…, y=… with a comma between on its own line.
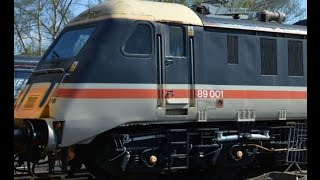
x=268, y=16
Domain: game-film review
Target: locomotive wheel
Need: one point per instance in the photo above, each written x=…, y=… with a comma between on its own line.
x=97, y=171
x=96, y=156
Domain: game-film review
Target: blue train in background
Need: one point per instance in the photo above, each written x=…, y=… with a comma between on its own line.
x=23, y=67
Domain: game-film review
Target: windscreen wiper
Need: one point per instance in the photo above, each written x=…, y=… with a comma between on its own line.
x=54, y=54
x=46, y=71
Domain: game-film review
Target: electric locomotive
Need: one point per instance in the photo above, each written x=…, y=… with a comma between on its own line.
x=146, y=86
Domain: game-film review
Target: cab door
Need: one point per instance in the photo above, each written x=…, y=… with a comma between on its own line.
x=176, y=69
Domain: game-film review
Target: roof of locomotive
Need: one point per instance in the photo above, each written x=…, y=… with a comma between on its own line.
x=139, y=10
x=252, y=25
x=170, y=12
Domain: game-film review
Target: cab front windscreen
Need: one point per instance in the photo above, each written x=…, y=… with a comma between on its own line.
x=69, y=44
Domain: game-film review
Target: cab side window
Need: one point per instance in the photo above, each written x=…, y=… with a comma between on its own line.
x=177, y=41
x=140, y=41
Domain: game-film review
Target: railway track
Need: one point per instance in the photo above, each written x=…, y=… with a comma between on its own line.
x=43, y=174
x=41, y=171
x=219, y=174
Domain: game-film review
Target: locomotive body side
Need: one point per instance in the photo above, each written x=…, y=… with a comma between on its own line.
x=128, y=81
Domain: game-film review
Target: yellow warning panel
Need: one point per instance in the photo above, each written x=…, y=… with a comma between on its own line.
x=28, y=103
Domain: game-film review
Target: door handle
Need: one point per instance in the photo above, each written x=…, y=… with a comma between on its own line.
x=169, y=94
x=168, y=61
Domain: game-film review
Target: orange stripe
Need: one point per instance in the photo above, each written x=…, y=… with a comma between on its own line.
x=107, y=93
x=254, y=94
x=178, y=93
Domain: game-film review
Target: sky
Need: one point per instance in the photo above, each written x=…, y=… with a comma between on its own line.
x=304, y=5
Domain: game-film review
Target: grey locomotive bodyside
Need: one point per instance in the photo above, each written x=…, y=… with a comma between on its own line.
x=208, y=71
